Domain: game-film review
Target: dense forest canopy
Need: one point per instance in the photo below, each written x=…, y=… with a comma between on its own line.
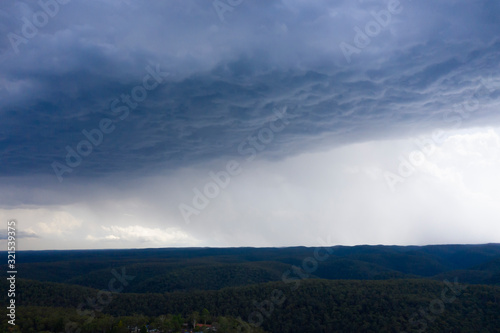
x=334, y=289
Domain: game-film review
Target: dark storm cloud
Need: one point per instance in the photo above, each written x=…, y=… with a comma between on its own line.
x=225, y=79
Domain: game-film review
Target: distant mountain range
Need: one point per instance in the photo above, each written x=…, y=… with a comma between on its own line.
x=164, y=270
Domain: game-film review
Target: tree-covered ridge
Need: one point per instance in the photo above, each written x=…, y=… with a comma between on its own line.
x=165, y=270
x=160, y=278
x=298, y=289
x=306, y=305
x=35, y=319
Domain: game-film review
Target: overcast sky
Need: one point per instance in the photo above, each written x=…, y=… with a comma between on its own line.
x=131, y=124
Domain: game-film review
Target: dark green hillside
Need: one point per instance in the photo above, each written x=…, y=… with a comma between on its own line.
x=462, y=256
x=308, y=305
x=161, y=270
x=299, y=289
x=343, y=268
x=35, y=319
x=487, y=273
x=211, y=277
x=164, y=278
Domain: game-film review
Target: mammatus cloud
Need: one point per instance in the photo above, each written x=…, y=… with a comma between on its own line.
x=88, y=73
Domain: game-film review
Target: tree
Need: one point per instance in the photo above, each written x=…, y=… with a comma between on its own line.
x=194, y=318
x=205, y=315
x=177, y=322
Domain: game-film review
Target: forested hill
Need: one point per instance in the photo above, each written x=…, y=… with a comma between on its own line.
x=294, y=306
x=442, y=288
x=183, y=269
